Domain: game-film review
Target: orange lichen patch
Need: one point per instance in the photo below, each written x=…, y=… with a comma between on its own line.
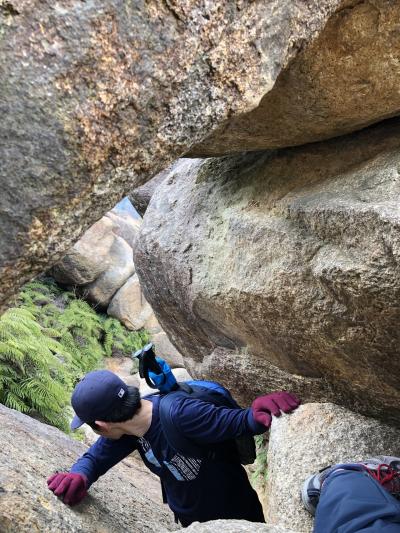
x=124, y=94
x=105, y=78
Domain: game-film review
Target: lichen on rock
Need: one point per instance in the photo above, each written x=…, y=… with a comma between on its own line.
x=98, y=97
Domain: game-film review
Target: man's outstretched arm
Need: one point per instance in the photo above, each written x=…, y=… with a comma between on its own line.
x=101, y=456
x=206, y=423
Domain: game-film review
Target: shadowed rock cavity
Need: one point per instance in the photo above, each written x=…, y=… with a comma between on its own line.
x=289, y=259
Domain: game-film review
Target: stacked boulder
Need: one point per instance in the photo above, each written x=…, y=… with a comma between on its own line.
x=101, y=262
x=100, y=268
x=274, y=268
x=276, y=265
x=97, y=99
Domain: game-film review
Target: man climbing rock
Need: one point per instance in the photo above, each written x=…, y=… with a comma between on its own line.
x=197, y=487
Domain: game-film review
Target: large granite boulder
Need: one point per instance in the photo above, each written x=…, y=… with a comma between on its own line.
x=289, y=259
x=97, y=97
x=31, y=451
x=311, y=438
x=344, y=80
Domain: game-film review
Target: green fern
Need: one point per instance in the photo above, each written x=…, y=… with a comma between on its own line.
x=26, y=351
x=118, y=338
x=48, y=343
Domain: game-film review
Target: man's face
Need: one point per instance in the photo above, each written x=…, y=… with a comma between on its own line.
x=110, y=430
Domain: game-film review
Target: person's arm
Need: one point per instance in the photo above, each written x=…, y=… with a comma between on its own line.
x=103, y=455
x=206, y=423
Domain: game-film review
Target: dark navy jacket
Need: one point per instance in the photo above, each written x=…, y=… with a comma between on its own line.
x=196, y=489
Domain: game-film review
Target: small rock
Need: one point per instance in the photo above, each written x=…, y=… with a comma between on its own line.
x=129, y=305
x=119, y=269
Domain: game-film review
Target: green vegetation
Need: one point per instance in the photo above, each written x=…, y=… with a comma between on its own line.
x=259, y=472
x=33, y=378
x=48, y=342
x=118, y=340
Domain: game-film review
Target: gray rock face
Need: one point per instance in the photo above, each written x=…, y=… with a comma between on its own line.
x=311, y=438
x=290, y=257
x=248, y=376
x=100, y=96
x=114, y=503
x=234, y=526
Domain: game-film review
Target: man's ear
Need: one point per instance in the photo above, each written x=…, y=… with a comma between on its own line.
x=103, y=426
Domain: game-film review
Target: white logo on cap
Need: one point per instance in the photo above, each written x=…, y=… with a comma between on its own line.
x=121, y=393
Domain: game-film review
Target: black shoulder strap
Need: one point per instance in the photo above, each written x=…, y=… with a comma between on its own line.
x=174, y=437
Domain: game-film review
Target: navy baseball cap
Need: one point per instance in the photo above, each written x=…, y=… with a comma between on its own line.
x=96, y=396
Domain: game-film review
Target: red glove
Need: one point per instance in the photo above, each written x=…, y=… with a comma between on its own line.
x=72, y=487
x=272, y=404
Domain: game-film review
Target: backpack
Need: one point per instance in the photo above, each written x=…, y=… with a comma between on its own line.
x=241, y=449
